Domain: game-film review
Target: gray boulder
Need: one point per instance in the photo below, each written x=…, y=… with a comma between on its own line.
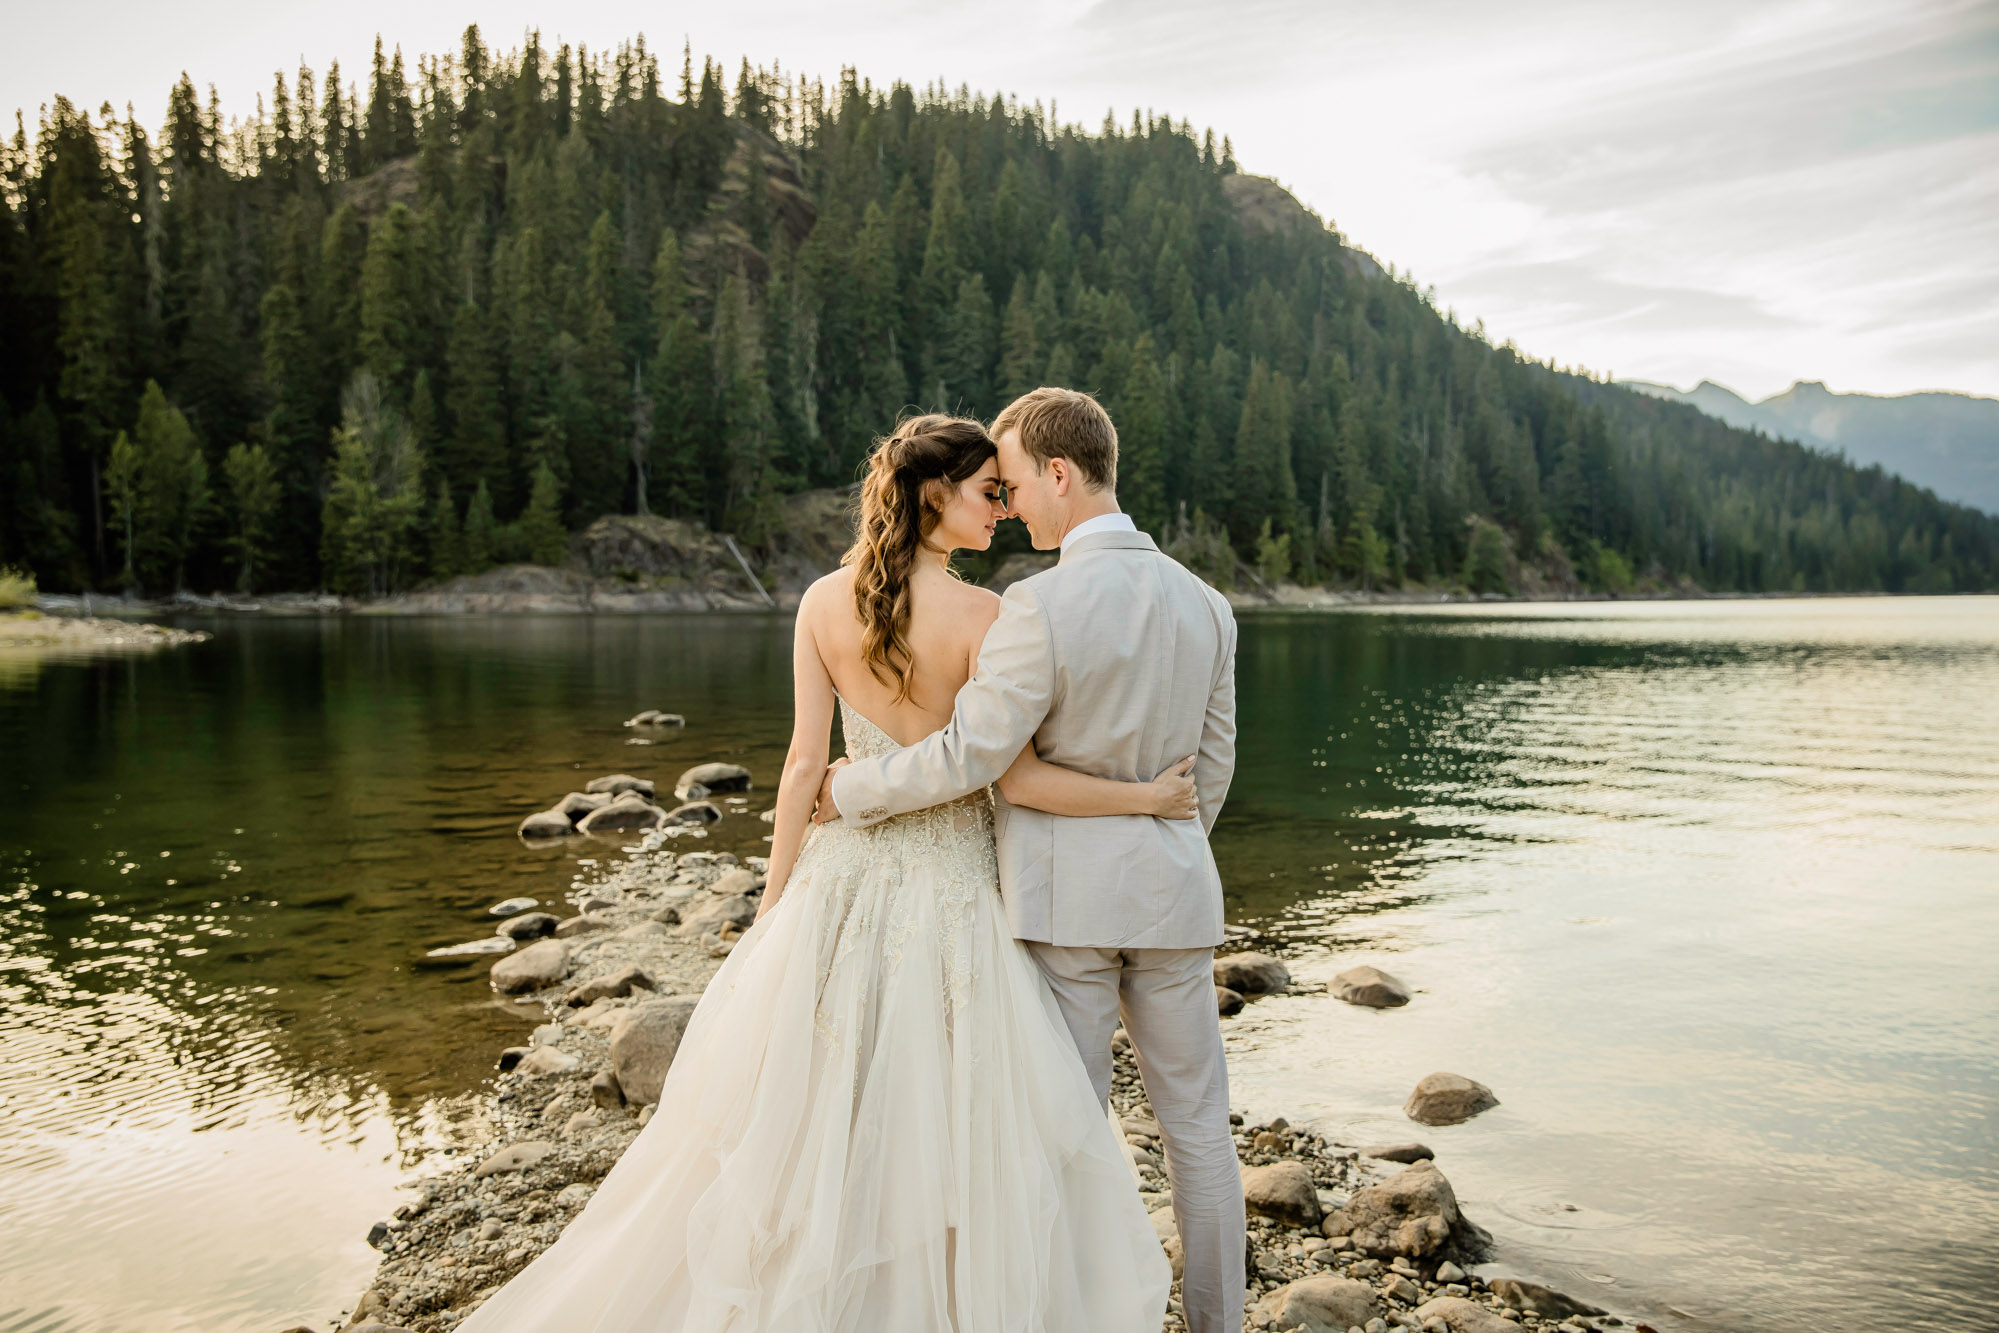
x=624, y=815
x=528, y=926
x=517, y=1157
x=1370, y=987
x=694, y=812
x=547, y=1060
x=1252, y=974
x=1535, y=1299
x=617, y=984
x=1448, y=1099
x=733, y=882
x=617, y=784
x=1404, y=1153
x=509, y=906
x=1463, y=1316
x=1320, y=1305
x=1412, y=1213
x=605, y=1092
x=536, y=967
x=546, y=824
x=643, y=1043
x=707, y=918
x=1227, y=1001
x=1283, y=1191
x=711, y=778
x=578, y=804
x=587, y=924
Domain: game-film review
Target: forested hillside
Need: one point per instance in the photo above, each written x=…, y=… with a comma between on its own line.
x=382, y=333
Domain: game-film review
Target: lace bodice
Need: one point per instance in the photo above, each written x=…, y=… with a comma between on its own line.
x=865, y=740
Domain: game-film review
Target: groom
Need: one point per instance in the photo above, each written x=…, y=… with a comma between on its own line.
x=1117, y=662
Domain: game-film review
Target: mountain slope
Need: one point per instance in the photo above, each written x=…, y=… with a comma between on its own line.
x=1948, y=442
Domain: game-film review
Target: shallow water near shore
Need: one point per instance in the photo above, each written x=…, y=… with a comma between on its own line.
x=1707, y=892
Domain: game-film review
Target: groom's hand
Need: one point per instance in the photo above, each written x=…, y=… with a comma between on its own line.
x=825, y=812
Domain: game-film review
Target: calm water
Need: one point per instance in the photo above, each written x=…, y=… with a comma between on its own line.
x=1708, y=894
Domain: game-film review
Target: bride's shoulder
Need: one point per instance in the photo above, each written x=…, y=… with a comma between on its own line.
x=832, y=587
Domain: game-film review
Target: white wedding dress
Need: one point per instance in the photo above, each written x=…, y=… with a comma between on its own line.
x=876, y=1123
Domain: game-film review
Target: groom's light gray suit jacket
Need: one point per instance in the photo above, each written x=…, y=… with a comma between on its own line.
x=1116, y=662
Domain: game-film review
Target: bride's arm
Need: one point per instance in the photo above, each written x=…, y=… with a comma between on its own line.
x=1039, y=785
x=805, y=763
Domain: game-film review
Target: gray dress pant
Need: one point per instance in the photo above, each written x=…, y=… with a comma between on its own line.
x=1167, y=1000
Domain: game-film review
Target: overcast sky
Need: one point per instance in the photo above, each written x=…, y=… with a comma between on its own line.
x=1746, y=192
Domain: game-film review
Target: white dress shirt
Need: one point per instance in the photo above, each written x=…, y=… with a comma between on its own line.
x=1101, y=523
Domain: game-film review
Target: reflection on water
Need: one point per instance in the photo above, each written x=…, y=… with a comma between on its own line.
x=1708, y=894
x=219, y=870
x=1704, y=891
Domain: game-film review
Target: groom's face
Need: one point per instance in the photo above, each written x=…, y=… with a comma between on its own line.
x=1031, y=493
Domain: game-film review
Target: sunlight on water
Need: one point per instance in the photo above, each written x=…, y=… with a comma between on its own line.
x=1707, y=892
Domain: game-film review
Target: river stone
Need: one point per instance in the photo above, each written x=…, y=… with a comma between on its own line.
x=617, y=784
x=1370, y=987
x=1282, y=1190
x=574, y=1195
x=624, y=815
x=1320, y=1305
x=528, y=926
x=517, y=1157
x=538, y=966
x=652, y=717
x=546, y=824
x=547, y=1060
x=694, y=812
x=1463, y=1316
x=701, y=918
x=734, y=881
x=1227, y=1001
x=1414, y=1212
x=509, y=906
x=578, y=804
x=713, y=778
x=1252, y=974
x=473, y=948
x=1535, y=1299
x=615, y=984
x=1447, y=1099
x=586, y=924
x=605, y=1092
x=1398, y=1152
x=372, y=1328
x=512, y=1056
x=643, y=1042
x=1400, y=1288
x=1167, y=1228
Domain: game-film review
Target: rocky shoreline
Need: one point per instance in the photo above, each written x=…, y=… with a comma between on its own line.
x=1339, y=1238
x=35, y=632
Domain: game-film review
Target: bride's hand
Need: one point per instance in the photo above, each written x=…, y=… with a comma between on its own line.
x=1172, y=794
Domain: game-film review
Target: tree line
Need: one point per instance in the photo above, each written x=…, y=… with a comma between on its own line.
x=360, y=341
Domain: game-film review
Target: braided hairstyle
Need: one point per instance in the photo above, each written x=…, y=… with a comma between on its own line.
x=899, y=508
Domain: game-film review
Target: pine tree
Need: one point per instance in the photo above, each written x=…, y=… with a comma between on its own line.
x=253, y=503
x=375, y=502
x=742, y=394
x=165, y=480
x=964, y=358
x=680, y=389
x=542, y=534
x=1020, y=350
x=481, y=531
x=1141, y=417
x=447, y=548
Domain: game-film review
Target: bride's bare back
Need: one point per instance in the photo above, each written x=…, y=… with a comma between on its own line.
x=948, y=620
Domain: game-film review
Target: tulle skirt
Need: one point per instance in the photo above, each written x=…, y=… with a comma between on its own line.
x=876, y=1123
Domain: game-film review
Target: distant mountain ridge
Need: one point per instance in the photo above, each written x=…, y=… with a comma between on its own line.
x=1948, y=442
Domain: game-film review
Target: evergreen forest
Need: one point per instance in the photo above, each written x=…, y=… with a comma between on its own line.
x=406, y=326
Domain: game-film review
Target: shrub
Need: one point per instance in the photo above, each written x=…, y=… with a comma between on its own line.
x=17, y=588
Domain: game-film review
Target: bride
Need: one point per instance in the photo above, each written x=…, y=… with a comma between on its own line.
x=877, y=1121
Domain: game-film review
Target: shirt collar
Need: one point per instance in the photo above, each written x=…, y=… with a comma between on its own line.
x=1101, y=523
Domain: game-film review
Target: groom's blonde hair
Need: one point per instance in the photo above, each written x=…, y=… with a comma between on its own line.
x=1062, y=423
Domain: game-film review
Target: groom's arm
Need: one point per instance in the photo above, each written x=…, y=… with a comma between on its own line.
x=996, y=714
x=1214, y=765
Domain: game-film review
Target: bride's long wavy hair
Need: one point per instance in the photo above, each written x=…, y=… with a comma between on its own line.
x=900, y=507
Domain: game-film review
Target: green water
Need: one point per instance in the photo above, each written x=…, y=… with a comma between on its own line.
x=1708, y=893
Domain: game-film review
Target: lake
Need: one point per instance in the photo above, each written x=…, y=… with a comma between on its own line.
x=1707, y=892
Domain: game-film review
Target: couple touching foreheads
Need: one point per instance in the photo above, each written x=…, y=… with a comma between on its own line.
x=878, y=1120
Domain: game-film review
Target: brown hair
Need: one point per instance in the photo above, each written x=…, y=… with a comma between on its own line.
x=899, y=508
x=1062, y=423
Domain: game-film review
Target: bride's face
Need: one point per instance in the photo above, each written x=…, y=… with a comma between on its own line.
x=970, y=511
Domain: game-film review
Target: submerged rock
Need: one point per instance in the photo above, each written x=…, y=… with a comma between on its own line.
x=1535, y=1299
x=578, y=804
x=652, y=717
x=472, y=948
x=1398, y=1152
x=711, y=778
x=694, y=812
x=509, y=906
x=546, y=824
x=1370, y=987
x=617, y=784
x=1448, y=1099
x=624, y=815
x=1252, y=974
